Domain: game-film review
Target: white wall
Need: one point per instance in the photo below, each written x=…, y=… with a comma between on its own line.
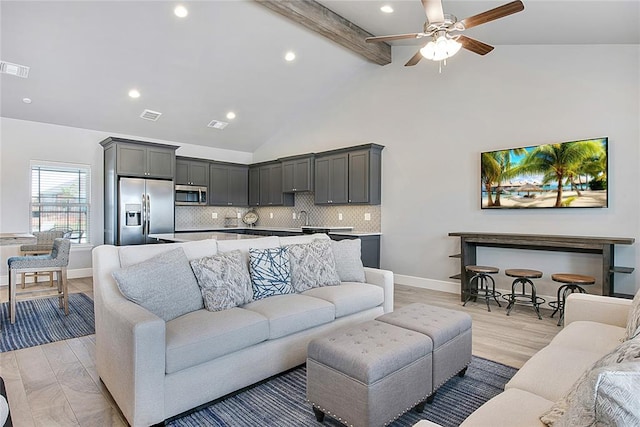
x=22, y=141
x=434, y=127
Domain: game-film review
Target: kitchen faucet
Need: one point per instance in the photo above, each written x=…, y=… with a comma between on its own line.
x=306, y=217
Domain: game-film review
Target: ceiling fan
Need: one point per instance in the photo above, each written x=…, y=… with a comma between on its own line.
x=442, y=31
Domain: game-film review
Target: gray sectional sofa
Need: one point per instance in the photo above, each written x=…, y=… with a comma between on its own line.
x=155, y=369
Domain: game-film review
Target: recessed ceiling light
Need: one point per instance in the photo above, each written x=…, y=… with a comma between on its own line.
x=133, y=93
x=289, y=56
x=26, y=100
x=181, y=11
x=231, y=115
x=386, y=9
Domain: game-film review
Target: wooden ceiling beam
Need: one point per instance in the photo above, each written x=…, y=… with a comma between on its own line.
x=321, y=20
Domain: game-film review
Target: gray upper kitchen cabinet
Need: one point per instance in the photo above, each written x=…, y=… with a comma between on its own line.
x=331, y=179
x=228, y=184
x=269, y=183
x=145, y=160
x=254, y=186
x=192, y=172
x=349, y=175
x=297, y=174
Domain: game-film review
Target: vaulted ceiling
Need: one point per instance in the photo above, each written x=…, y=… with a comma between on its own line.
x=84, y=57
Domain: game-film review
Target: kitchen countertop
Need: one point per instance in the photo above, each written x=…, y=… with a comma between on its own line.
x=200, y=235
x=286, y=229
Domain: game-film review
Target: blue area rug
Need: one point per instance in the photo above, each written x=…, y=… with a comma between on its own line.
x=281, y=402
x=40, y=322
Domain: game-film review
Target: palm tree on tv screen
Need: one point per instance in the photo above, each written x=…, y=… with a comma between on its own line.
x=557, y=162
x=497, y=167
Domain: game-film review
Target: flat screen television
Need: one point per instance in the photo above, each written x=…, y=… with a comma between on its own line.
x=563, y=175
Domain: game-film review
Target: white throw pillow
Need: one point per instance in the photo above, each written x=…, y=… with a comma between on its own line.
x=164, y=285
x=347, y=255
x=270, y=272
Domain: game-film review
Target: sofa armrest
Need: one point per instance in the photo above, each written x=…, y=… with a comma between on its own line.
x=383, y=278
x=130, y=345
x=596, y=308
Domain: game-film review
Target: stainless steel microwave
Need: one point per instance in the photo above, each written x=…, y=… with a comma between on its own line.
x=191, y=195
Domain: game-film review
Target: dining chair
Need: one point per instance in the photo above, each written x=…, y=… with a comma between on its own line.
x=42, y=246
x=55, y=262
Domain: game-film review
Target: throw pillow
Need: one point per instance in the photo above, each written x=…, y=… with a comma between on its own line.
x=270, y=272
x=312, y=265
x=628, y=351
x=607, y=397
x=224, y=280
x=346, y=254
x=164, y=285
x=633, y=321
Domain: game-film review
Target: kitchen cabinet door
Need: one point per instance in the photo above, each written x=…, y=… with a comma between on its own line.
x=142, y=161
x=190, y=172
x=228, y=185
x=254, y=186
x=297, y=175
x=331, y=179
x=238, y=186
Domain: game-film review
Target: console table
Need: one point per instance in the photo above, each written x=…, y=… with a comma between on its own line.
x=603, y=246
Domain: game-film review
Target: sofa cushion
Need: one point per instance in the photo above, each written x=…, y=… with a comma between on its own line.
x=243, y=245
x=288, y=314
x=312, y=265
x=499, y=411
x=347, y=255
x=130, y=255
x=270, y=272
x=164, y=285
x=608, y=396
x=601, y=336
x=302, y=239
x=349, y=297
x=628, y=351
x=204, y=335
x=633, y=321
x=224, y=280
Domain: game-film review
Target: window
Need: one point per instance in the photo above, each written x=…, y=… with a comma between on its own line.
x=60, y=199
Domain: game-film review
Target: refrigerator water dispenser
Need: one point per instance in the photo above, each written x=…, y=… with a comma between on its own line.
x=133, y=215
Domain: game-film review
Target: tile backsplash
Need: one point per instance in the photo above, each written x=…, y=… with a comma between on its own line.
x=200, y=217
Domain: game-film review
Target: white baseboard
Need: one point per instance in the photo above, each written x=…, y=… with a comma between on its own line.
x=71, y=274
x=451, y=287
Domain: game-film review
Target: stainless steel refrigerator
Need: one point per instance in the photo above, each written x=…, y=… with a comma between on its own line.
x=145, y=206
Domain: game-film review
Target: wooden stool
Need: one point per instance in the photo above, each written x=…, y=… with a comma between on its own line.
x=572, y=284
x=523, y=278
x=481, y=276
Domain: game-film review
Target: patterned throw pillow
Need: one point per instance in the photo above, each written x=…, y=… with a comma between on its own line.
x=628, y=351
x=164, y=285
x=607, y=397
x=224, y=280
x=312, y=265
x=633, y=321
x=270, y=272
x=346, y=254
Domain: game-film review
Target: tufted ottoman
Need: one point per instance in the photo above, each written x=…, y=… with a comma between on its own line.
x=368, y=374
x=449, y=330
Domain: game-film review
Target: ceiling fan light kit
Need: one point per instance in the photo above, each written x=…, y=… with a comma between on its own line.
x=442, y=29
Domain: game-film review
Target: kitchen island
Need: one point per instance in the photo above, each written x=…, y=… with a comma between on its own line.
x=370, y=242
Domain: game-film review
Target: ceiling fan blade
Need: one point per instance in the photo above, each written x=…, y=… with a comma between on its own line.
x=394, y=37
x=414, y=60
x=433, y=10
x=493, y=14
x=474, y=45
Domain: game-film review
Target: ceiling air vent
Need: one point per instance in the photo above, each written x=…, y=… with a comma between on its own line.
x=14, y=69
x=217, y=124
x=150, y=115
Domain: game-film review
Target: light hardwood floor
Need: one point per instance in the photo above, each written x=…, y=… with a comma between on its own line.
x=57, y=384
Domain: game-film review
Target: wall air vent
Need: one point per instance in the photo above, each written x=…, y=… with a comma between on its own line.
x=14, y=69
x=217, y=124
x=150, y=115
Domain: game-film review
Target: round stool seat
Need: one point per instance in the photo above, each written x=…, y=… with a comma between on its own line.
x=523, y=272
x=482, y=269
x=578, y=279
